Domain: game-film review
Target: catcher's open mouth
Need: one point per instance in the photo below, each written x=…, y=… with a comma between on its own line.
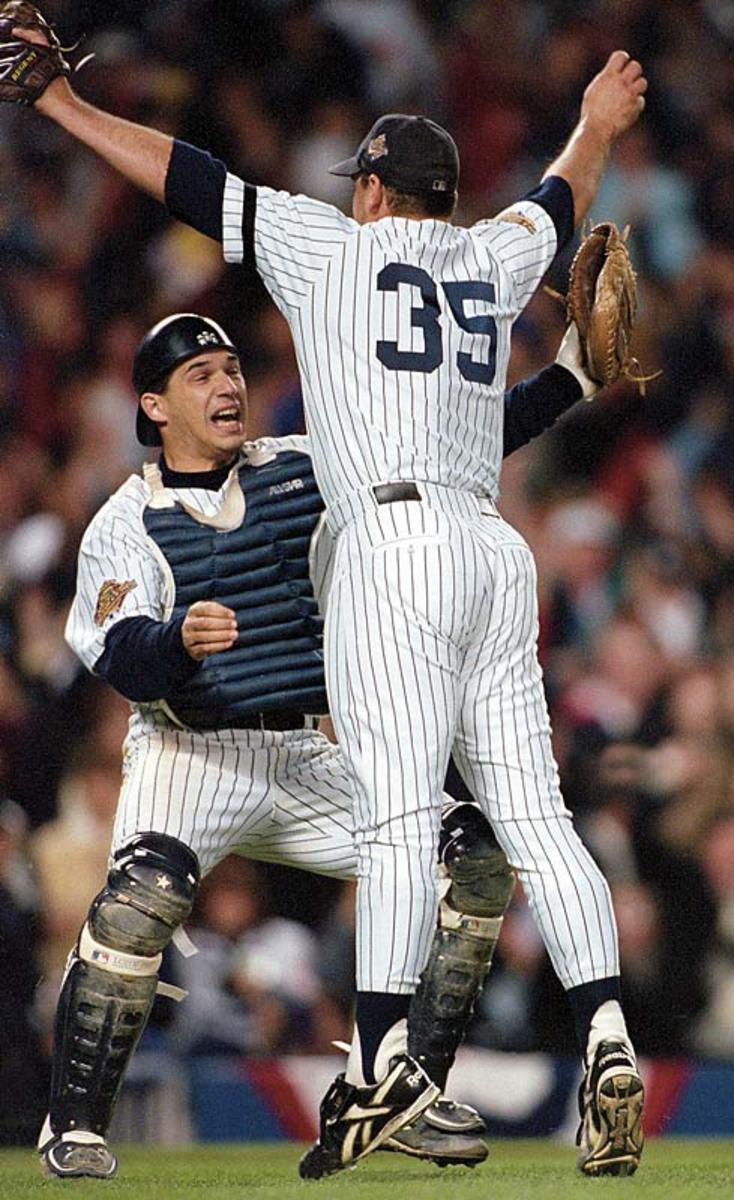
x=227, y=416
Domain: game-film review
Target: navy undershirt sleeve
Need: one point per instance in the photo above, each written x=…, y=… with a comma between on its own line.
x=556, y=197
x=145, y=659
x=195, y=189
x=535, y=404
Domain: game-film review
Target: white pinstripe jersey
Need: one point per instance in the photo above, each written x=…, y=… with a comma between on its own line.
x=116, y=549
x=402, y=332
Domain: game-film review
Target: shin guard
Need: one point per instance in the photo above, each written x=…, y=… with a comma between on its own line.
x=477, y=886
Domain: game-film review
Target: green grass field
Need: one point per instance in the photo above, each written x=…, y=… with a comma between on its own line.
x=674, y=1170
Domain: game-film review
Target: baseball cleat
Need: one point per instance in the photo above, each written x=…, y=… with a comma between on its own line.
x=611, y=1098
x=357, y=1120
x=75, y=1155
x=451, y=1117
x=446, y=1133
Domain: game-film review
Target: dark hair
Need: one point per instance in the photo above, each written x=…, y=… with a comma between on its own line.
x=420, y=204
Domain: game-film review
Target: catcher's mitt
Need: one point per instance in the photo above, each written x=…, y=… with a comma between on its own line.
x=602, y=301
x=26, y=69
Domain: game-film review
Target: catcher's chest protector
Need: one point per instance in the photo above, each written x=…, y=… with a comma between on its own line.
x=261, y=571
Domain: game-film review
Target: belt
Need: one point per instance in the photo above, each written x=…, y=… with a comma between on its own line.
x=390, y=493
x=284, y=718
x=275, y=722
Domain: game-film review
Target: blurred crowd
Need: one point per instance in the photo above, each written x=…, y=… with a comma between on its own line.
x=628, y=504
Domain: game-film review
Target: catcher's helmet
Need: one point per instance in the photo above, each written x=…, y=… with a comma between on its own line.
x=164, y=347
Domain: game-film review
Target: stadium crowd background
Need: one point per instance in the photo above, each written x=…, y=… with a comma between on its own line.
x=628, y=504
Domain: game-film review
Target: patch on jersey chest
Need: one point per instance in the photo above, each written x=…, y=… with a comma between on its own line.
x=517, y=218
x=110, y=598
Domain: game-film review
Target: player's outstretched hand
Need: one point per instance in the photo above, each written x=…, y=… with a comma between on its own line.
x=31, y=57
x=208, y=628
x=616, y=96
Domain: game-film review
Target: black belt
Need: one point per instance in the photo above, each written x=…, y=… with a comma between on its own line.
x=284, y=718
x=275, y=722
x=389, y=493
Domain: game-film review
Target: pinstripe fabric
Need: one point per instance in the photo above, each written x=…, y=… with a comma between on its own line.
x=116, y=546
x=431, y=621
x=430, y=644
x=366, y=422
x=278, y=797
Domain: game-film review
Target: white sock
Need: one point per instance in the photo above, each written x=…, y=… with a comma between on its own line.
x=85, y=1136
x=79, y=1135
x=354, y=1073
x=607, y=1023
x=395, y=1041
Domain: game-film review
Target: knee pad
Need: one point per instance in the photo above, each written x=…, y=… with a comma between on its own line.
x=150, y=891
x=481, y=878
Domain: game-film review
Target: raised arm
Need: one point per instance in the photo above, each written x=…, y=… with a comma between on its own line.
x=140, y=154
x=612, y=103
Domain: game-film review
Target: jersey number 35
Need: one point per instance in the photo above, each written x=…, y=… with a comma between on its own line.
x=427, y=316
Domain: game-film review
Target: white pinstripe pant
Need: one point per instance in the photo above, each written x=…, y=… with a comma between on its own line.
x=431, y=645
x=279, y=797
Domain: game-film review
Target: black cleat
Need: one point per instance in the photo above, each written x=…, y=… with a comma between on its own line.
x=71, y=1157
x=611, y=1098
x=446, y=1133
x=451, y=1117
x=356, y=1120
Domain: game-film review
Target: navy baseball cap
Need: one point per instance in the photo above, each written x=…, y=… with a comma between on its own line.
x=166, y=346
x=413, y=154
